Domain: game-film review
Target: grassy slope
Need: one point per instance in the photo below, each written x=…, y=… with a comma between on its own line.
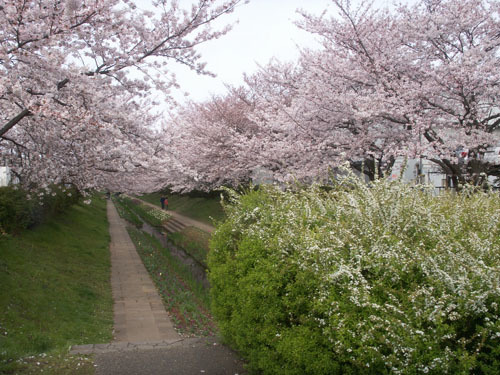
x=194, y=241
x=202, y=209
x=56, y=285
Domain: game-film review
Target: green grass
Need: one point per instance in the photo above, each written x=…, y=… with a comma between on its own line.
x=55, y=364
x=55, y=292
x=126, y=212
x=151, y=215
x=194, y=241
x=185, y=298
x=198, y=208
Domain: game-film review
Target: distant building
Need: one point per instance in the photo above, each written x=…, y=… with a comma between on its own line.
x=261, y=175
x=5, y=176
x=431, y=173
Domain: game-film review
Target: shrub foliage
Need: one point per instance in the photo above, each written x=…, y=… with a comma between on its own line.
x=20, y=209
x=379, y=279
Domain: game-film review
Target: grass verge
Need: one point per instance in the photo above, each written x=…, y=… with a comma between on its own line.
x=153, y=216
x=125, y=210
x=194, y=241
x=185, y=298
x=202, y=209
x=55, y=292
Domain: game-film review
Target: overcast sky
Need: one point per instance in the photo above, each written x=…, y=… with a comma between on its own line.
x=264, y=30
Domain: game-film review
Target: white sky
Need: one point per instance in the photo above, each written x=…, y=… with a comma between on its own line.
x=265, y=29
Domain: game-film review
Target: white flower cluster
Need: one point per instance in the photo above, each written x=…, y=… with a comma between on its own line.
x=158, y=214
x=404, y=280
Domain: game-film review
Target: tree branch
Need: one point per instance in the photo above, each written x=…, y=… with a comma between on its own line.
x=25, y=112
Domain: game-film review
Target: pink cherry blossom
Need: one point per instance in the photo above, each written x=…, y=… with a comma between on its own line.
x=420, y=80
x=76, y=82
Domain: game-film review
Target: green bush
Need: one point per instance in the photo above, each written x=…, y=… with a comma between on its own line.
x=15, y=210
x=380, y=279
x=20, y=209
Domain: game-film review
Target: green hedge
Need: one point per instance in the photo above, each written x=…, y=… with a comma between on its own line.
x=385, y=279
x=20, y=209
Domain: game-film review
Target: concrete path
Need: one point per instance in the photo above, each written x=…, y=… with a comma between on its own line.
x=139, y=314
x=191, y=222
x=145, y=341
x=193, y=356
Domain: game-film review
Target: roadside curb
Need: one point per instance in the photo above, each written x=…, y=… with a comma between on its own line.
x=126, y=346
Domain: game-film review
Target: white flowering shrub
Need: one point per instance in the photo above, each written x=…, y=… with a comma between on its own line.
x=20, y=209
x=151, y=215
x=158, y=215
x=380, y=279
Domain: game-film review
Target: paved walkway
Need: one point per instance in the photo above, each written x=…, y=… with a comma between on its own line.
x=145, y=341
x=193, y=356
x=191, y=222
x=139, y=315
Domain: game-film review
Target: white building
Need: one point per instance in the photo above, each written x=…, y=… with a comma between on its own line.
x=5, y=176
x=431, y=174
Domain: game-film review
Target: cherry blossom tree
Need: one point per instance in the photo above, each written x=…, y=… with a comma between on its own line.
x=76, y=79
x=421, y=81
x=210, y=144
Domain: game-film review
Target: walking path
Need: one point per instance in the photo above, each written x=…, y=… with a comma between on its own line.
x=188, y=222
x=145, y=341
x=139, y=314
